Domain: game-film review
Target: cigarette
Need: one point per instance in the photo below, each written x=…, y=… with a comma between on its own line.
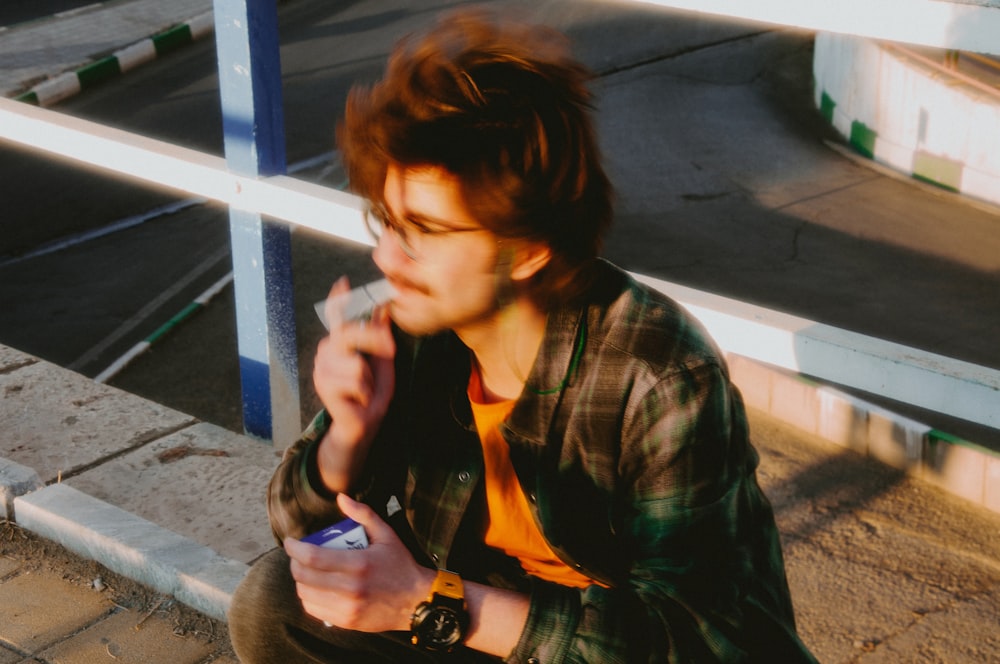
x=358, y=304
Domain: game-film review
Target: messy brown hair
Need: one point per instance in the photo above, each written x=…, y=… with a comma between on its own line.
x=505, y=108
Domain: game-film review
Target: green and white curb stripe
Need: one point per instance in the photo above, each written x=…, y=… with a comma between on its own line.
x=924, y=166
x=902, y=110
x=71, y=83
x=194, y=307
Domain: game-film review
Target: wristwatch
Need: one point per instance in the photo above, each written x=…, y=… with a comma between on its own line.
x=440, y=623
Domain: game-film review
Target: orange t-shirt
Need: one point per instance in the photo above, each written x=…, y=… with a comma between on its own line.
x=512, y=527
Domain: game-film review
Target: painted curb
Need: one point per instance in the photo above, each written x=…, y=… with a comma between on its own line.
x=900, y=109
x=959, y=467
x=133, y=547
x=71, y=83
x=175, y=321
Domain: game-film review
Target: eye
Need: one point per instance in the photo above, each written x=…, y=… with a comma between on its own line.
x=415, y=228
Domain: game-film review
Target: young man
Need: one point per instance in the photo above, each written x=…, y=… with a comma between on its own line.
x=549, y=460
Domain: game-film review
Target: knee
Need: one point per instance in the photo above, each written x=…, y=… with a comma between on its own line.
x=263, y=605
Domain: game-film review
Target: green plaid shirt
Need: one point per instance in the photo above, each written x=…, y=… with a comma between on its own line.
x=632, y=447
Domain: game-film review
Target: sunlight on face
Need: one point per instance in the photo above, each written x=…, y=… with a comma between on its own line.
x=453, y=284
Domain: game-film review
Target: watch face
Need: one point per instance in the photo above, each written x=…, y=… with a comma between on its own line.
x=440, y=627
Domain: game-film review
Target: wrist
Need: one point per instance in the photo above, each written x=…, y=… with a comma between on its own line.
x=336, y=462
x=341, y=458
x=310, y=475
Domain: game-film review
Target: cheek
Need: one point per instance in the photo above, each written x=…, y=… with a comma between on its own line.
x=465, y=290
x=464, y=285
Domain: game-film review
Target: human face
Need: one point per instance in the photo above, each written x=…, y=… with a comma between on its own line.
x=440, y=260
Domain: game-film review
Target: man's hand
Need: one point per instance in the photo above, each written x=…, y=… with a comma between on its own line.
x=367, y=590
x=354, y=377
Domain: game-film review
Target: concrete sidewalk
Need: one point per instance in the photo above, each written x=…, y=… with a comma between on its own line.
x=892, y=536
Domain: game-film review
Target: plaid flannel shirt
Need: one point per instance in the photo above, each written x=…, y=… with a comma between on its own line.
x=632, y=447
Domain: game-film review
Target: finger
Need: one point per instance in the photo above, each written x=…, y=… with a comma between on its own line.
x=340, y=372
x=335, y=301
x=316, y=565
x=372, y=338
x=340, y=286
x=376, y=529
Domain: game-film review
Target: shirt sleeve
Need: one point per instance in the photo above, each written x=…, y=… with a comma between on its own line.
x=297, y=501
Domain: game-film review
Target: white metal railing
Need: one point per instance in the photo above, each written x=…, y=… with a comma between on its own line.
x=905, y=374
x=967, y=25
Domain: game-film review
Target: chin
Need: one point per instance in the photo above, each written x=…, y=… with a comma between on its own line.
x=411, y=325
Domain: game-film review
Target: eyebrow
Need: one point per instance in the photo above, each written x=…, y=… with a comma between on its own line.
x=433, y=223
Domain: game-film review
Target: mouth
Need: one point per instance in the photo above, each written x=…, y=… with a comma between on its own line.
x=404, y=288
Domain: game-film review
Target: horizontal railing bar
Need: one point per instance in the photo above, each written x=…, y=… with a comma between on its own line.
x=901, y=373
x=898, y=372
x=157, y=162
x=967, y=26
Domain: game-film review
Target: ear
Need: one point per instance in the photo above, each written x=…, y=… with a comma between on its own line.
x=528, y=259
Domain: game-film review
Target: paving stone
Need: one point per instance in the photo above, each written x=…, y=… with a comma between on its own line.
x=83, y=421
x=11, y=358
x=127, y=638
x=38, y=609
x=204, y=482
x=9, y=656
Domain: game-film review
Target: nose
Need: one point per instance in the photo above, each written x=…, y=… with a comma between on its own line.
x=388, y=253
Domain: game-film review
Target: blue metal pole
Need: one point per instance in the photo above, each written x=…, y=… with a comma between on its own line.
x=250, y=84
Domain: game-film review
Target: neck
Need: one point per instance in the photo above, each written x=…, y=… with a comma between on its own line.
x=505, y=348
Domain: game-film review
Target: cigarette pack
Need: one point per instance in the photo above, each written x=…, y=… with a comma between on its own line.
x=348, y=534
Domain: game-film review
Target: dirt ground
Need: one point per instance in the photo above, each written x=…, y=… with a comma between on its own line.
x=36, y=555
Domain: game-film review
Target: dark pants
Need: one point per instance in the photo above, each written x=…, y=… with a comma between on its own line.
x=268, y=626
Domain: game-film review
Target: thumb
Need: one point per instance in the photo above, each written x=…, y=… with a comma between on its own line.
x=375, y=527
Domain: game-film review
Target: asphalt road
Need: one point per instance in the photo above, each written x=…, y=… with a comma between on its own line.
x=13, y=12
x=725, y=183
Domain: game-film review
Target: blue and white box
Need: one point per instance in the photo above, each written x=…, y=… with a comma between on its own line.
x=348, y=534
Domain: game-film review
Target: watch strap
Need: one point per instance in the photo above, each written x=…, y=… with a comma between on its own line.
x=447, y=584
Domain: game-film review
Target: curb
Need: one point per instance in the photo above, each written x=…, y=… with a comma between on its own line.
x=71, y=83
x=957, y=466
x=897, y=108
x=133, y=547
x=189, y=310
x=15, y=480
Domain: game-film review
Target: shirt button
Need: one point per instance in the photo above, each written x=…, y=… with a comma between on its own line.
x=434, y=557
x=464, y=476
x=532, y=498
x=533, y=660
